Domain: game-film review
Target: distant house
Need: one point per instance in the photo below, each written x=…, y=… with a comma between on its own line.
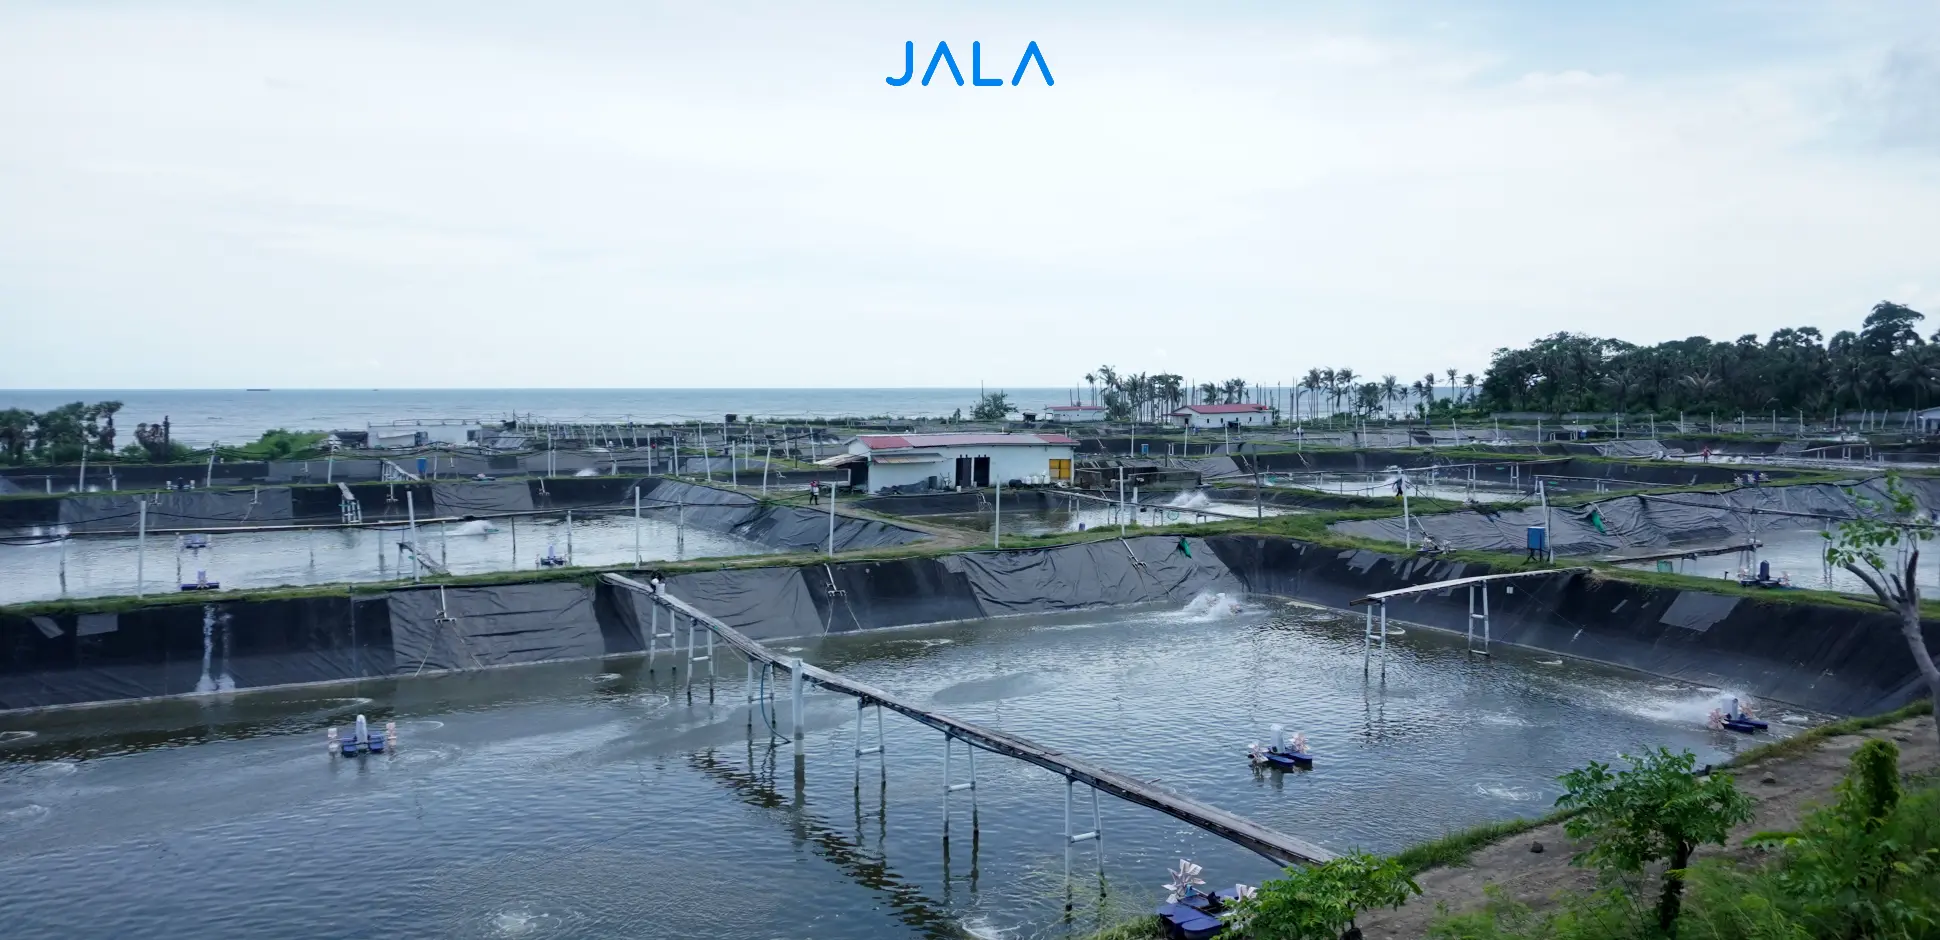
x=1074, y=413
x=1929, y=421
x=912, y=462
x=1219, y=416
x=423, y=432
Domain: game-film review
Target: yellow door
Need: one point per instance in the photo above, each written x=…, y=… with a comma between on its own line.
x=1060, y=469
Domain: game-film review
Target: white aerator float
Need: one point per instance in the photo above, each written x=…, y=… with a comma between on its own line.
x=1191, y=914
x=195, y=544
x=1735, y=716
x=361, y=741
x=1283, y=754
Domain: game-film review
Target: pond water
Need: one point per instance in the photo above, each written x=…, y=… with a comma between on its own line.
x=1421, y=484
x=1796, y=554
x=597, y=800
x=31, y=562
x=1188, y=508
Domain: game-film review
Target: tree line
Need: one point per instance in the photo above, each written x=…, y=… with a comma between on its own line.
x=1885, y=364
x=66, y=433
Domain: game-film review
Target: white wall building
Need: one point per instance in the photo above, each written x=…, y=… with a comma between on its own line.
x=423, y=432
x=946, y=461
x=1075, y=413
x=1219, y=416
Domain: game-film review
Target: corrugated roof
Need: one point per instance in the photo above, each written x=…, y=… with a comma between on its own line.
x=904, y=441
x=1074, y=408
x=1220, y=409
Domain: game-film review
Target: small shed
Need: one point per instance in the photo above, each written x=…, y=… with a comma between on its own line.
x=1220, y=416
x=919, y=462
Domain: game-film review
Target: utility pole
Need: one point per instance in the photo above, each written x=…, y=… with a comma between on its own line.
x=1549, y=539
x=832, y=520
x=997, y=518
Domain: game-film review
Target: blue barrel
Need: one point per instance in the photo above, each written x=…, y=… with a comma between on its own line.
x=1538, y=538
x=1144, y=448
x=421, y=468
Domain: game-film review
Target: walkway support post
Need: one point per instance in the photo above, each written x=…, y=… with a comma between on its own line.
x=796, y=684
x=1478, y=592
x=951, y=786
x=1095, y=835
x=862, y=705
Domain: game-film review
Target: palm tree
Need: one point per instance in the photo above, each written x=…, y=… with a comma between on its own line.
x=1346, y=379
x=1390, y=391
x=1367, y=398
x=1169, y=387
x=1091, y=379
x=1312, y=383
x=1108, y=376
x=1701, y=384
x=1468, y=385
x=1234, y=391
x=1428, y=389
x=1209, y=393
x=1451, y=381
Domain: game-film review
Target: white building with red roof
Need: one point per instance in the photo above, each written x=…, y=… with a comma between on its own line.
x=1219, y=416
x=915, y=462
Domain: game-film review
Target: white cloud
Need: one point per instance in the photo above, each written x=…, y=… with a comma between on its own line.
x=715, y=184
x=1568, y=78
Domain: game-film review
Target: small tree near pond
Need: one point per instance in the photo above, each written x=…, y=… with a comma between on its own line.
x=994, y=406
x=1862, y=546
x=1320, y=902
x=1657, y=811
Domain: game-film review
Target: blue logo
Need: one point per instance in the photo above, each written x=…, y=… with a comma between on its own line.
x=942, y=56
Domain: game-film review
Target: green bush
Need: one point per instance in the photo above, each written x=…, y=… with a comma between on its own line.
x=1866, y=866
x=1318, y=902
x=1656, y=811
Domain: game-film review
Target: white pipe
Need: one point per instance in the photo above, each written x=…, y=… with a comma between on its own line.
x=997, y=519
x=636, y=524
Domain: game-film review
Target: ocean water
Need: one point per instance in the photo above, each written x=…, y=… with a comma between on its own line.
x=200, y=416
x=602, y=800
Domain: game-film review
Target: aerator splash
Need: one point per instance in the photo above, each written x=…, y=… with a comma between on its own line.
x=361, y=741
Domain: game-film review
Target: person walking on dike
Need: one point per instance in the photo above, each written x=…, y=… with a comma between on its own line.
x=814, y=492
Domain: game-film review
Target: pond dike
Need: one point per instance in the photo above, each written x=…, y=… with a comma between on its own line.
x=1824, y=658
x=780, y=527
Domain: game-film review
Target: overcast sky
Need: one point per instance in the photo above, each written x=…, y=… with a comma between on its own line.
x=639, y=194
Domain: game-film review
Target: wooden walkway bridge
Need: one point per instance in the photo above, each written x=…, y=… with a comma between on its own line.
x=1279, y=847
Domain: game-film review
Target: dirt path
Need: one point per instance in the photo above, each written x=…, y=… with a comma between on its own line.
x=1783, y=787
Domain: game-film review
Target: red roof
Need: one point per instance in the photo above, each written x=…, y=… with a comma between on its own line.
x=1220, y=409
x=897, y=441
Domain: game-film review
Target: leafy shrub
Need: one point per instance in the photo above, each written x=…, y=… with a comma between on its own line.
x=1320, y=901
x=1656, y=811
